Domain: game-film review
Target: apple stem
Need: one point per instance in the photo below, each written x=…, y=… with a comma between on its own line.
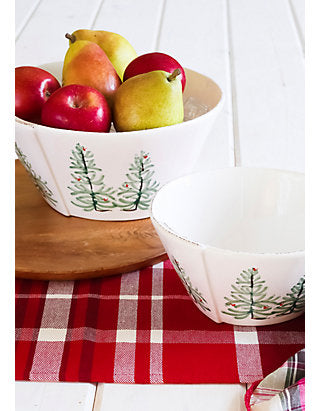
x=71, y=37
x=174, y=74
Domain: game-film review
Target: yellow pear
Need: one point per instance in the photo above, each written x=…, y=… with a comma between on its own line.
x=87, y=64
x=148, y=100
x=117, y=48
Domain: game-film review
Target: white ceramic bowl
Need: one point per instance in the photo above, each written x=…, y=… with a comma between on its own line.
x=59, y=160
x=236, y=239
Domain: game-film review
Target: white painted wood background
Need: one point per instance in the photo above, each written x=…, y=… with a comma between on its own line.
x=254, y=49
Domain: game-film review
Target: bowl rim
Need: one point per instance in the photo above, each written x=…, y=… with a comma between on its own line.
x=213, y=111
x=170, y=231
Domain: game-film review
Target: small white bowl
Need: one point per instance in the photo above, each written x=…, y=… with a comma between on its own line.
x=236, y=239
x=54, y=158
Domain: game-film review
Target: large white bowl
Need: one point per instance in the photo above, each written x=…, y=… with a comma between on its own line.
x=236, y=239
x=147, y=159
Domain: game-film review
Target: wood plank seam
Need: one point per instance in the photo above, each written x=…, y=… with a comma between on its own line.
x=100, y=5
x=297, y=26
x=98, y=397
x=95, y=396
x=159, y=29
x=235, y=122
x=28, y=18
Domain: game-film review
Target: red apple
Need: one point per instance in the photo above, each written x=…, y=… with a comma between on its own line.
x=77, y=107
x=151, y=62
x=33, y=88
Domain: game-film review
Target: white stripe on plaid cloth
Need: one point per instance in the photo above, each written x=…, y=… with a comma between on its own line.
x=127, y=322
x=126, y=330
x=156, y=376
x=248, y=352
x=53, y=331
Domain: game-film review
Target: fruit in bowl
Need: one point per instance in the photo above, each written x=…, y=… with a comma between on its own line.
x=151, y=96
x=85, y=170
x=154, y=61
x=118, y=49
x=149, y=100
x=87, y=64
x=33, y=87
x=114, y=176
x=77, y=107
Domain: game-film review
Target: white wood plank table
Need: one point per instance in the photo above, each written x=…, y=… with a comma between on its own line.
x=254, y=49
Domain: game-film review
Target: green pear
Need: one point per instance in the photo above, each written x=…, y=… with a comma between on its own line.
x=148, y=100
x=117, y=48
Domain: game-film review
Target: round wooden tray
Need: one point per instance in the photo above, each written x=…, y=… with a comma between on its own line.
x=50, y=246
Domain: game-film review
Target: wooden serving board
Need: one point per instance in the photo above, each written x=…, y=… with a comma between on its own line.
x=50, y=246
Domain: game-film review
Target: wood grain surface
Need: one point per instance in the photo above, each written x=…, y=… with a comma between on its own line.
x=50, y=246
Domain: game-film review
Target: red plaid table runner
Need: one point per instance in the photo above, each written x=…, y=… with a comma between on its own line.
x=140, y=327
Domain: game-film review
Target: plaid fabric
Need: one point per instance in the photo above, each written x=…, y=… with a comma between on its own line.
x=140, y=327
x=283, y=390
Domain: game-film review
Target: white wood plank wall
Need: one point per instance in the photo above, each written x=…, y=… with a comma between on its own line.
x=254, y=49
x=268, y=84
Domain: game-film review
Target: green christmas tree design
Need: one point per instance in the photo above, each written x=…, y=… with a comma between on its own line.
x=193, y=292
x=137, y=191
x=249, y=297
x=292, y=302
x=88, y=188
x=41, y=185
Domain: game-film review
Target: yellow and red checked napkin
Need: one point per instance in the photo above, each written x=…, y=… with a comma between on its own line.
x=140, y=327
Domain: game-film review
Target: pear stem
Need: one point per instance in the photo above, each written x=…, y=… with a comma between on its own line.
x=71, y=37
x=174, y=74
